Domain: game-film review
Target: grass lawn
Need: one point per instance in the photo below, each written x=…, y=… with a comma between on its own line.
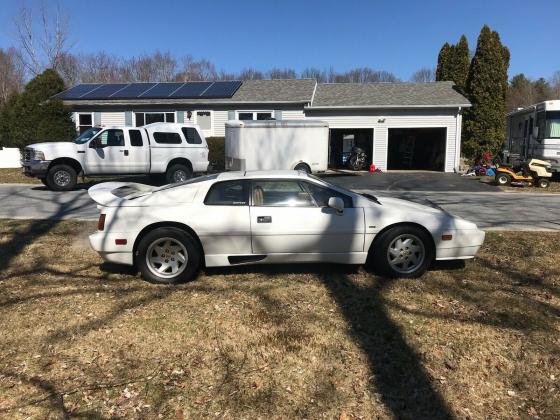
x=15, y=176
x=79, y=338
x=553, y=188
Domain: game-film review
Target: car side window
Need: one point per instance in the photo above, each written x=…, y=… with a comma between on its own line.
x=111, y=137
x=135, y=138
x=191, y=135
x=280, y=193
x=228, y=193
x=167, y=138
x=322, y=194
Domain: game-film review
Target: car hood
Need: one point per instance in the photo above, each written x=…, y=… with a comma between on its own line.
x=53, y=150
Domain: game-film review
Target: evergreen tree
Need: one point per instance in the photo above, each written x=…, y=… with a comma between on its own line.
x=33, y=116
x=444, y=57
x=487, y=83
x=461, y=63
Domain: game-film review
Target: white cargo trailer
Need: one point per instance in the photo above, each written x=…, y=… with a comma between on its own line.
x=272, y=145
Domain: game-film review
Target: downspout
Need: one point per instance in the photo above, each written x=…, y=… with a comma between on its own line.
x=457, y=141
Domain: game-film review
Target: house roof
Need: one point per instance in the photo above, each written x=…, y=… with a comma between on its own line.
x=296, y=91
x=387, y=95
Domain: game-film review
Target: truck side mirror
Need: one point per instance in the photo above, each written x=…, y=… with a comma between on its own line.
x=336, y=203
x=95, y=143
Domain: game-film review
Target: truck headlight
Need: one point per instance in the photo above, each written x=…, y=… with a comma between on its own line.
x=38, y=155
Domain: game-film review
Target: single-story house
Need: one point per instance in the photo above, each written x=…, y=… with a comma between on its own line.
x=399, y=125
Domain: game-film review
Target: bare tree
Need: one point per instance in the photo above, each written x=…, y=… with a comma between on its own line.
x=42, y=48
x=314, y=73
x=100, y=68
x=277, y=73
x=424, y=75
x=11, y=74
x=362, y=75
x=194, y=70
x=249, y=73
x=555, y=84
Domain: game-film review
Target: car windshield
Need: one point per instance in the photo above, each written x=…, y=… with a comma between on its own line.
x=86, y=135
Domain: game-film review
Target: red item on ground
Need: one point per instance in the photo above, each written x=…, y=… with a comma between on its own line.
x=372, y=168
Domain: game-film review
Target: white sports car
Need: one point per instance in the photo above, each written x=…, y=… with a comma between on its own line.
x=238, y=218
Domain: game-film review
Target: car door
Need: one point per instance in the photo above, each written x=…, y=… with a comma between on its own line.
x=137, y=151
x=287, y=218
x=105, y=153
x=226, y=230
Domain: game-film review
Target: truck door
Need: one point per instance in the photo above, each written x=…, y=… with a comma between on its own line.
x=137, y=151
x=105, y=153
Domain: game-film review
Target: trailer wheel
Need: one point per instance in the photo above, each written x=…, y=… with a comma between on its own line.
x=303, y=167
x=503, y=179
x=543, y=183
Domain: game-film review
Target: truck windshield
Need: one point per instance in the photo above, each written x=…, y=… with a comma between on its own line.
x=86, y=135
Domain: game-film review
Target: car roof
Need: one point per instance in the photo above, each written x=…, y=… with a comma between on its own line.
x=261, y=174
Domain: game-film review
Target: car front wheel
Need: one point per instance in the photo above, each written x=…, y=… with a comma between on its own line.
x=403, y=251
x=168, y=255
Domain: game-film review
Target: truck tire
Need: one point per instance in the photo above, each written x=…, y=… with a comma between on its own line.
x=303, y=167
x=61, y=178
x=178, y=173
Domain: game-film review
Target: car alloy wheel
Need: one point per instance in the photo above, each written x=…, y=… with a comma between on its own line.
x=167, y=257
x=406, y=253
x=180, y=176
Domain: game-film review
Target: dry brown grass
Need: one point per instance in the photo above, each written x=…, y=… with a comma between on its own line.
x=79, y=338
x=553, y=188
x=15, y=176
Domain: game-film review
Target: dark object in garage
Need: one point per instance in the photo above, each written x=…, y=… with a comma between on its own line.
x=417, y=148
x=341, y=142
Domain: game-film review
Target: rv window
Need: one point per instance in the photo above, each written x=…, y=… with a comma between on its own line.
x=541, y=124
x=228, y=193
x=167, y=138
x=553, y=124
x=191, y=135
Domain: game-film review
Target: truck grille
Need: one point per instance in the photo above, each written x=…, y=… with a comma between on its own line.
x=27, y=154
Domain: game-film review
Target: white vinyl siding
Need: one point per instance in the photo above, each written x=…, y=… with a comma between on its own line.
x=382, y=120
x=293, y=115
x=220, y=118
x=112, y=118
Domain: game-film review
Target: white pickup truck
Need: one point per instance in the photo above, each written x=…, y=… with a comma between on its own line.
x=176, y=150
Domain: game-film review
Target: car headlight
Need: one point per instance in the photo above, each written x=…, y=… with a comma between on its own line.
x=38, y=155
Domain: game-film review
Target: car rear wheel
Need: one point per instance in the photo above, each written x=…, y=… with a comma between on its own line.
x=61, y=178
x=503, y=179
x=403, y=251
x=178, y=173
x=168, y=255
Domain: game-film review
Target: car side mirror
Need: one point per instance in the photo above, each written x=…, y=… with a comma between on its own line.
x=336, y=203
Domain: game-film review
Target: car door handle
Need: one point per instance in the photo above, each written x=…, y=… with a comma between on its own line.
x=264, y=219
x=125, y=152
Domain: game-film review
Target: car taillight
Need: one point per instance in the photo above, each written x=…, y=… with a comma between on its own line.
x=101, y=222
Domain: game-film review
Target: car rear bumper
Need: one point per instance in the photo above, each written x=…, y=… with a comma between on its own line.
x=104, y=244
x=36, y=168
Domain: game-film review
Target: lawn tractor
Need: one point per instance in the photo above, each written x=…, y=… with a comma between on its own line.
x=535, y=172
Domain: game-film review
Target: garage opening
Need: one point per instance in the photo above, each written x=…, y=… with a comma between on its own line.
x=341, y=141
x=417, y=149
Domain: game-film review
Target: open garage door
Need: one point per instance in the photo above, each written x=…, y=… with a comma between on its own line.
x=341, y=141
x=417, y=149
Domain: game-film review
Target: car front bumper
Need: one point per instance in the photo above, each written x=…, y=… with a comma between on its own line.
x=463, y=245
x=104, y=244
x=36, y=168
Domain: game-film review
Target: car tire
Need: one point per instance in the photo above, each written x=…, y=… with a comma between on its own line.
x=543, y=183
x=303, y=167
x=403, y=251
x=178, y=173
x=502, y=179
x=161, y=248
x=61, y=178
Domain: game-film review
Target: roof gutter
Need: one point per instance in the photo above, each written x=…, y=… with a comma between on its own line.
x=155, y=102
x=386, y=106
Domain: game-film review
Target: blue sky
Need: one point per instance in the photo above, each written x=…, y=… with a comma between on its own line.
x=397, y=36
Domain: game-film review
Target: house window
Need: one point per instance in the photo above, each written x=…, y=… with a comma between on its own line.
x=254, y=115
x=143, y=118
x=85, y=122
x=204, y=120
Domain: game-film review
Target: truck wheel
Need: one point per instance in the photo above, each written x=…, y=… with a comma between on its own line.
x=178, y=173
x=543, y=183
x=503, y=179
x=61, y=178
x=168, y=255
x=303, y=167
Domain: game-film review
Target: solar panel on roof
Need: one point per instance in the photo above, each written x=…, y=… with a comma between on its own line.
x=222, y=89
x=104, y=91
x=190, y=90
x=77, y=91
x=161, y=90
x=133, y=90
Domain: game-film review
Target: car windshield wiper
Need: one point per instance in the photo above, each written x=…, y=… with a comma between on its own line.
x=371, y=197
